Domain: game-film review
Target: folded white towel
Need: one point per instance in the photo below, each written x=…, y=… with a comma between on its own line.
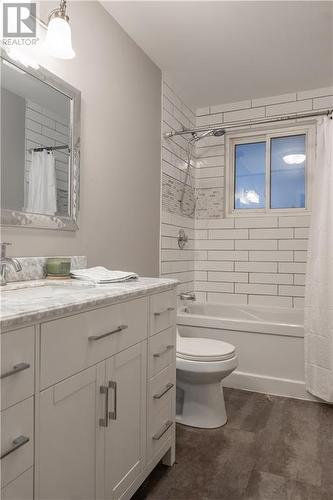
x=101, y=275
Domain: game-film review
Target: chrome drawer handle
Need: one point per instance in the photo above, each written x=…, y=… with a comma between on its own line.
x=16, y=369
x=104, y=422
x=160, y=433
x=17, y=443
x=168, y=309
x=159, y=354
x=117, y=330
x=164, y=391
x=113, y=414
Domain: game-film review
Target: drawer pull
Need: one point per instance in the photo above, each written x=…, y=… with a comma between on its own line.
x=117, y=330
x=17, y=443
x=104, y=422
x=168, y=309
x=165, y=427
x=159, y=354
x=16, y=369
x=113, y=414
x=164, y=391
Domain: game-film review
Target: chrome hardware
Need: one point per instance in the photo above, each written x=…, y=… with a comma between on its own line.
x=165, y=427
x=182, y=239
x=16, y=369
x=159, y=354
x=187, y=296
x=104, y=422
x=5, y=262
x=164, y=391
x=113, y=414
x=168, y=309
x=17, y=443
x=117, y=330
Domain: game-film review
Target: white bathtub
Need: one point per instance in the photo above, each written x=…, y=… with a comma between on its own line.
x=269, y=342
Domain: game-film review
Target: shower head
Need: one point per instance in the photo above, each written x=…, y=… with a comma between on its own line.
x=214, y=132
x=218, y=132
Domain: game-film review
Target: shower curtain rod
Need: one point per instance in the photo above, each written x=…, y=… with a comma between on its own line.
x=50, y=148
x=327, y=112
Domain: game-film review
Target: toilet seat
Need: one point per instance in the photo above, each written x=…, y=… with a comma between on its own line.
x=200, y=349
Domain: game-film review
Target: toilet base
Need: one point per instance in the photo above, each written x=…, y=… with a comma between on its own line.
x=203, y=405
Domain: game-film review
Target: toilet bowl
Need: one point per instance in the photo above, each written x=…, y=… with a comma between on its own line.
x=201, y=365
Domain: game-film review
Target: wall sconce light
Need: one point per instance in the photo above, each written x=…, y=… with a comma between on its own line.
x=59, y=36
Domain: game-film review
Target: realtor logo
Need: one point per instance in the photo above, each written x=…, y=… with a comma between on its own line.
x=19, y=20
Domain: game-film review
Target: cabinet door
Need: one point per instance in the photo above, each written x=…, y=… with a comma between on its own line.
x=71, y=437
x=126, y=433
x=20, y=489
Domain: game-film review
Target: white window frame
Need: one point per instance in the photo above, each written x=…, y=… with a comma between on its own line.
x=235, y=138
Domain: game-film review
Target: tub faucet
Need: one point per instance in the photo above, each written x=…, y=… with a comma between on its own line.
x=5, y=262
x=187, y=296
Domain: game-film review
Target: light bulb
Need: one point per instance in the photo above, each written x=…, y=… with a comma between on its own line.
x=59, y=39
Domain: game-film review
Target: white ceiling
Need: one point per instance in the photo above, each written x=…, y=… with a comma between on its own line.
x=225, y=51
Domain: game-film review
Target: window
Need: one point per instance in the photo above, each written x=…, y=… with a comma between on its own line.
x=268, y=172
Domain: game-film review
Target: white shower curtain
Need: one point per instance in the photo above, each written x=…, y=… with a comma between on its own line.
x=42, y=189
x=319, y=279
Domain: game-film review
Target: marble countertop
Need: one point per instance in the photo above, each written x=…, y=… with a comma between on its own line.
x=26, y=303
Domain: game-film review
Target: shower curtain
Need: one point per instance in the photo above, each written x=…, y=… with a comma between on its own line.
x=42, y=188
x=318, y=321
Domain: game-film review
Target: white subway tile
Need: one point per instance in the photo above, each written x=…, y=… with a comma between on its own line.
x=202, y=111
x=200, y=275
x=229, y=277
x=230, y=106
x=176, y=255
x=255, y=289
x=271, y=256
x=200, y=296
x=256, y=244
x=229, y=234
x=205, y=151
x=271, y=234
x=299, y=279
x=246, y=114
x=310, y=94
x=200, y=254
x=277, y=99
x=292, y=291
x=300, y=256
x=227, y=255
x=177, y=267
x=201, y=234
x=185, y=277
x=209, y=182
x=213, y=265
x=212, y=161
x=298, y=302
x=214, y=223
x=270, y=301
x=285, y=279
x=227, y=298
x=208, y=120
x=292, y=267
x=259, y=267
x=214, y=245
x=289, y=107
x=301, y=232
x=209, y=286
x=323, y=102
x=206, y=172
x=293, y=244
x=251, y=222
x=294, y=221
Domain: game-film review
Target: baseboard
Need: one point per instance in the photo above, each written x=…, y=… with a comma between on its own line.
x=268, y=385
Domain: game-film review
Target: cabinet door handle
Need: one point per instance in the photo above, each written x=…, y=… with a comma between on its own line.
x=103, y=422
x=117, y=330
x=17, y=443
x=164, y=391
x=113, y=414
x=168, y=309
x=162, y=431
x=16, y=369
x=167, y=348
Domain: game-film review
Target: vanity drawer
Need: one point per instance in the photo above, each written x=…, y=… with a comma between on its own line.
x=72, y=344
x=162, y=311
x=162, y=350
x=17, y=366
x=21, y=488
x=16, y=440
x=162, y=389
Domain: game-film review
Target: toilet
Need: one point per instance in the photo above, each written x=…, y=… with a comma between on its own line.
x=201, y=365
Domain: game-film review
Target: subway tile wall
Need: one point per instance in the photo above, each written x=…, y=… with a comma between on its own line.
x=240, y=260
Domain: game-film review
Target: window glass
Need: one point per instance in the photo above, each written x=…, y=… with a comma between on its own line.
x=250, y=176
x=288, y=172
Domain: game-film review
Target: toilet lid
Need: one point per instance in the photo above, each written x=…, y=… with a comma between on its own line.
x=197, y=349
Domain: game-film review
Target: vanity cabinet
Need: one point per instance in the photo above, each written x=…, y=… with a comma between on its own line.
x=101, y=401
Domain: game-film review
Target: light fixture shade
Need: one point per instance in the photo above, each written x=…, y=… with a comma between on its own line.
x=59, y=39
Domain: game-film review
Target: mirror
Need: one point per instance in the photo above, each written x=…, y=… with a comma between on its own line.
x=40, y=121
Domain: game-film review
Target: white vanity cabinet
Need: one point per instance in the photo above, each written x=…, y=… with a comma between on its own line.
x=100, y=402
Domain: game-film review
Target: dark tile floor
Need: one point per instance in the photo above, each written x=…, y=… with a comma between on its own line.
x=272, y=448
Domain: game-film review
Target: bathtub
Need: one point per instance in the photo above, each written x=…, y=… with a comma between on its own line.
x=269, y=343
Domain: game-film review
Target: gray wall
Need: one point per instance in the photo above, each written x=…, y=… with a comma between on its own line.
x=120, y=167
x=12, y=150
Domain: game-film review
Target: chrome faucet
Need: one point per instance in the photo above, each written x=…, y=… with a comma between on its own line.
x=187, y=296
x=5, y=262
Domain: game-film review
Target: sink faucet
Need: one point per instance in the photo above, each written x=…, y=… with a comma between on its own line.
x=5, y=262
x=187, y=296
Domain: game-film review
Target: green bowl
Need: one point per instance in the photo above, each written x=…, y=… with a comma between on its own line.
x=58, y=267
